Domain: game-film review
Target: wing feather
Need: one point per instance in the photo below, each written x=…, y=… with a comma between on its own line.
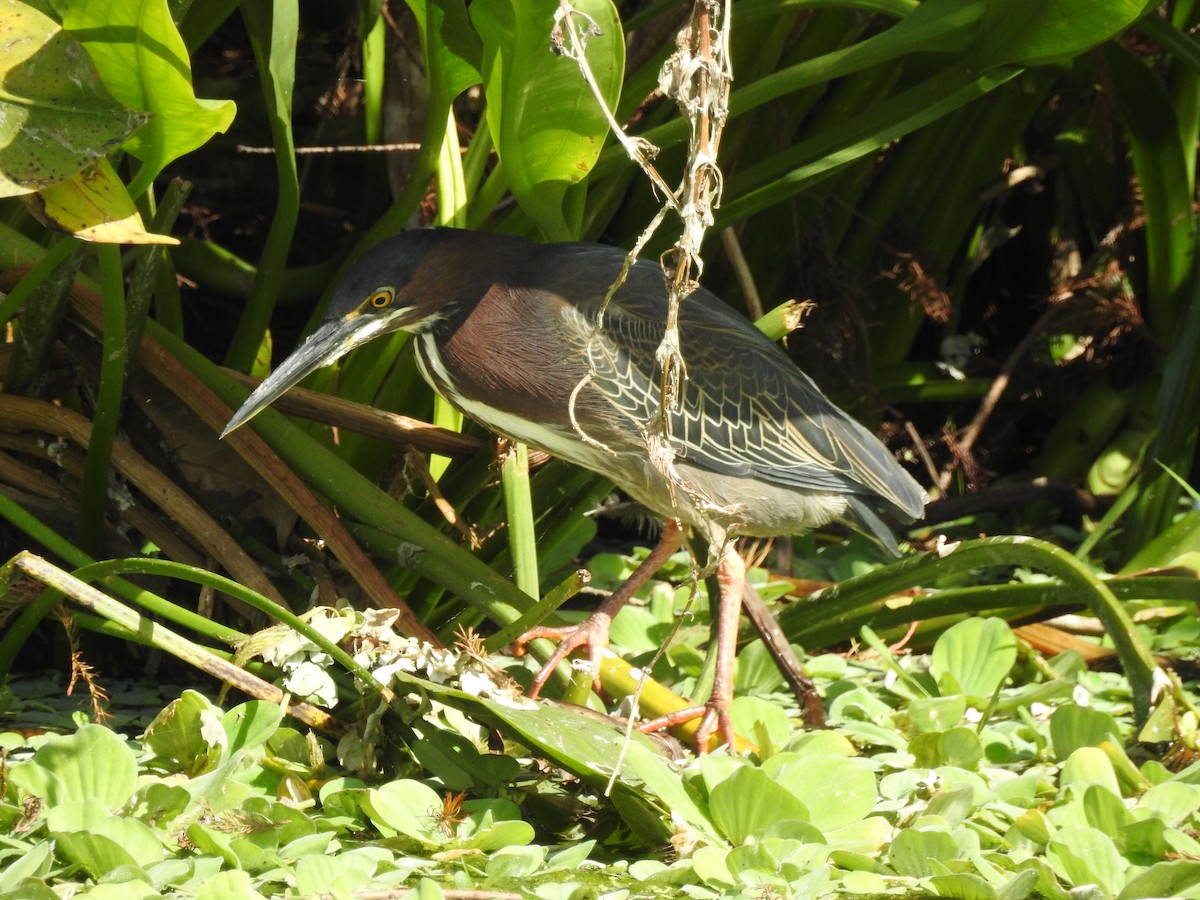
x=747, y=409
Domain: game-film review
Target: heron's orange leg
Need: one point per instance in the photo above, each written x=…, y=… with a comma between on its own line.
x=592, y=634
x=714, y=715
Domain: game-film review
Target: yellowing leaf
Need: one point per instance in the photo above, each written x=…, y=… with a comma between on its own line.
x=93, y=205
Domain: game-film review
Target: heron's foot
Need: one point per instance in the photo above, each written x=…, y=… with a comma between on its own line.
x=592, y=635
x=714, y=722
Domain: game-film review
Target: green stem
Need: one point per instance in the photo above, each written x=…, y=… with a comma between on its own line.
x=93, y=494
x=273, y=32
x=519, y=508
x=50, y=261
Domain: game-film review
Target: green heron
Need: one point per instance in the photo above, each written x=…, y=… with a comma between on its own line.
x=516, y=336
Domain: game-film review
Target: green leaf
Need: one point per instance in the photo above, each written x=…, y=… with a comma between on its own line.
x=963, y=886
x=867, y=837
x=958, y=747
x=453, y=40
x=229, y=884
x=1034, y=32
x=1082, y=855
x=407, y=807
x=144, y=63
x=250, y=724
x=110, y=842
x=913, y=850
x=1171, y=801
x=1145, y=838
x=178, y=733
x=1104, y=809
x=977, y=654
x=92, y=764
x=1164, y=879
x=936, y=713
x=93, y=205
x=1090, y=765
x=749, y=801
x=344, y=874
x=55, y=114
x=1072, y=727
x=546, y=122
x=752, y=713
x=836, y=790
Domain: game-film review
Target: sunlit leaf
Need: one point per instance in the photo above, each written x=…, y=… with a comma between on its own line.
x=958, y=747
x=836, y=790
x=1082, y=855
x=144, y=63
x=1072, y=727
x=1033, y=32
x=977, y=653
x=913, y=849
x=94, y=763
x=407, y=807
x=546, y=122
x=749, y=801
x=1090, y=765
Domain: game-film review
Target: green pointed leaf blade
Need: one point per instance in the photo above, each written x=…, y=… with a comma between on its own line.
x=143, y=61
x=1035, y=32
x=55, y=114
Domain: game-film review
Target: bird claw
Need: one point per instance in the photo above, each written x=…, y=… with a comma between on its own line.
x=592, y=634
x=716, y=721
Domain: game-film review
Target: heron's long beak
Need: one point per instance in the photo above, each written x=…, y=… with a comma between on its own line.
x=332, y=340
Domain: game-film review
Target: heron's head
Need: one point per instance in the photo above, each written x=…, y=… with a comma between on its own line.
x=375, y=297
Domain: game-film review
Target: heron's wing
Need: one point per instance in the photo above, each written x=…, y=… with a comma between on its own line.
x=747, y=409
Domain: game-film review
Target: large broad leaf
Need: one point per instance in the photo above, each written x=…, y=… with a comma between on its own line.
x=835, y=789
x=547, y=124
x=143, y=61
x=55, y=115
x=592, y=750
x=453, y=40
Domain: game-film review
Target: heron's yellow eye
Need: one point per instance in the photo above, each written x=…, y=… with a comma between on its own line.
x=381, y=299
